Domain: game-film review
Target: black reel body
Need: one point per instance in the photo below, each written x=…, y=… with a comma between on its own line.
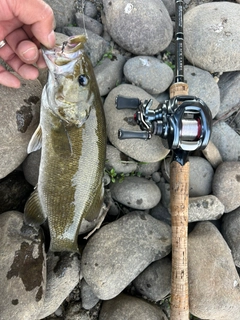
x=184, y=122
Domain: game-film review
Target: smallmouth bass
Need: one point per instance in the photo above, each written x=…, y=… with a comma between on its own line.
x=72, y=134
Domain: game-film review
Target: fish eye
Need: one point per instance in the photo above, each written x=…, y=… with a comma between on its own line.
x=83, y=80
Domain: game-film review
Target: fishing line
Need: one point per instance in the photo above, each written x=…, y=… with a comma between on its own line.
x=84, y=25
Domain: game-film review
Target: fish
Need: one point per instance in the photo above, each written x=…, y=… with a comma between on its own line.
x=72, y=135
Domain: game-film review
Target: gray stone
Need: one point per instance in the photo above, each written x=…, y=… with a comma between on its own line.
x=62, y=276
x=229, y=85
x=145, y=151
x=89, y=300
x=95, y=46
x=75, y=312
x=137, y=193
x=214, y=284
x=90, y=9
x=109, y=73
x=84, y=21
x=212, y=154
x=125, y=307
x=230, y=230
x=202, y=85
x=147, y=169
x=19, y=118
x=121, y=250
x=170, y=5
x=148, y=73
x=226, y=184
x=126, y=23
x=23, y=269
x=31, y=167
x=161, y=213
x=155, y=281
x=165, y=193
x=63, y=12
x=209, y=30
x=205, y=208
x=227, y=141
x=118, y=161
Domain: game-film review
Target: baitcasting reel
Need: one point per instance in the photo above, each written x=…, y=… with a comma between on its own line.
x=184, y=122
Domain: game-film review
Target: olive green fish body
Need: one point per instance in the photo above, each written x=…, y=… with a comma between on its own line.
x=70, y=184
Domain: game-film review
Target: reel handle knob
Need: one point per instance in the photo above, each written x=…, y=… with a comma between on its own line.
x=125, y=134
x=127, y=103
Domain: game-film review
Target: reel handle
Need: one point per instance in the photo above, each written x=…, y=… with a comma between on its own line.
x=127, y=103
x=126, y=134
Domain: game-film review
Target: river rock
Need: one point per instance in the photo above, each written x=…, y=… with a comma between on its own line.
x=226, y=140
x=118, y=161
x=145, y=151
x=84, y=21
x=226, y=184
x=90, y=9
x=216, y=26
x=230, y=231
x=214, y=284
x=202, y=85
x=205, y=208
x=229, y=84
x=19, y=118
x=14, y=192
x=137, y=193
x=155, y=281
x=95, y=46
x=170, y=5
x=212, y=154
x=23, y=269
x=147, y=169
x=113, y=257
x=125, y=22
x=62, y=276
x=125, y=307
x=109, y=73
x=89, y=300
x=31, y=167
x=148, y=73
x=161, y=213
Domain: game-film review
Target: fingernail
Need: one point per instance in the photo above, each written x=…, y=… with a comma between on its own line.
x=51, y=39
x=30, y=54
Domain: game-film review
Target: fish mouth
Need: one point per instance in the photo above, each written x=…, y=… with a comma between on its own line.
x=67, y=51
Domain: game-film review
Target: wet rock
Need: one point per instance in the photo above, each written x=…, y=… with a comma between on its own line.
x=202, y=85
x=226, y=140
x=146, y=151
x=84, y=21
x=125, y=21
x=205, y=208
x=14, y=192
x=230, y=231
x=109, y=73
x=118, y=161
x=214, y=284
x=62, y=276
x=113, y=257
x=155, y=281
x=23, y=270
x=125, y=307
x=89, y=300
x=148, y=73
x=19, y=118
x=229, y=84
x=137, y=193
x=216, y=26
x=95, y=46
x=226, y=184
x=31, y=167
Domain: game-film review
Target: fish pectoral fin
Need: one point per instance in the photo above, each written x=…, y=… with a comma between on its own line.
x=36, y=141
x=33, y=213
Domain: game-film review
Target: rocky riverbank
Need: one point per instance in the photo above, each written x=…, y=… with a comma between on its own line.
x=124, y=270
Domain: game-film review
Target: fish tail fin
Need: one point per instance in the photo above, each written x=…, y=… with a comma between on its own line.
x=33, y=213
x=60, y=245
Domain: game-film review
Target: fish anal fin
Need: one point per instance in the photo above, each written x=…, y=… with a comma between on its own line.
x=36, y=141
x=33, y=213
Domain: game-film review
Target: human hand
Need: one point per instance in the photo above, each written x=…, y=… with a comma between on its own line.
x=24, y=24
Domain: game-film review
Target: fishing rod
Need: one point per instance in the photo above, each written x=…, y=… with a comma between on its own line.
x=184, y=123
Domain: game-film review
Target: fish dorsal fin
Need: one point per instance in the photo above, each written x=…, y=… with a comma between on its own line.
x=36, y=141
x=33, y=213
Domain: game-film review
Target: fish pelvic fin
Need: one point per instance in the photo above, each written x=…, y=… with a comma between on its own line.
x=33, y=213
x=36, y=141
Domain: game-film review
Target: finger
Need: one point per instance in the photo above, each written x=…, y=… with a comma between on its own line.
x=41, y=62
x=8, y=79
x=40, y=16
